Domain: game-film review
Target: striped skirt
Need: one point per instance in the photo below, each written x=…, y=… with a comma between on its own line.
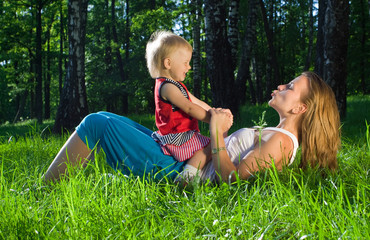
x=186, y=150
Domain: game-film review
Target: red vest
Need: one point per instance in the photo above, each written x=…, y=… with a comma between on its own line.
x=171, y=119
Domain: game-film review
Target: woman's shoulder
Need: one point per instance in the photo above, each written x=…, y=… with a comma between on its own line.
x=284, y=140
x=281, y=137
x=284, y=134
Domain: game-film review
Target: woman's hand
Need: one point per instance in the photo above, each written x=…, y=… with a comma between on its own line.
x=220, y=123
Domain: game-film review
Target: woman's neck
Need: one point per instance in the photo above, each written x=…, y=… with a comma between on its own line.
x=290, y=124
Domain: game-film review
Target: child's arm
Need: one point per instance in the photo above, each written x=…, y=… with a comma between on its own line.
x=206, y=107
x=195, y=100
x=173, y=94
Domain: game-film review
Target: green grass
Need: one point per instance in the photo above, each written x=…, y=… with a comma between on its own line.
x=99, y=203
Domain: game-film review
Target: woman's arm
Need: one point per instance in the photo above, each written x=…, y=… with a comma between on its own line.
x=273, y=150
x=219, y=124
x=276, y=146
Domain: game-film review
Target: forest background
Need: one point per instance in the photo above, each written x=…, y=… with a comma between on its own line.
x=64, y=59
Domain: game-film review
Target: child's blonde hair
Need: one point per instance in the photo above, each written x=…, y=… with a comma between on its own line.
x=160, y=45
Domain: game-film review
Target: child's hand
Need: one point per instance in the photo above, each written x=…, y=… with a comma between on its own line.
x=229, y=114
x=221, y=119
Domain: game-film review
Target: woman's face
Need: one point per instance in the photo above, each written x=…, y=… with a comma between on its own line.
x=287, y=98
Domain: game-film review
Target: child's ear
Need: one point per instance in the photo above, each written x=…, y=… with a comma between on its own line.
x=167, y=63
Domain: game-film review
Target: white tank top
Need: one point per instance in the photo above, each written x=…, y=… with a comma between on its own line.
x=238, y=145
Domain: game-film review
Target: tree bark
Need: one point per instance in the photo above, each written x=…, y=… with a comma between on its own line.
x=258, y=78
x=244, y=74
x=61, y=51
x=152, y=4
x=363, y=48
x=108, y=98
x=119, y=60
x=270, y=41
x=31, y=82
x=127, y=58
x=20, y=99
x=73, y=106
x=319, y=63
x=310, y=37
x=48, y=78
x=336, y=33
x=197, y=79
x=218, y=50
x=233, y=31
x=38, y=64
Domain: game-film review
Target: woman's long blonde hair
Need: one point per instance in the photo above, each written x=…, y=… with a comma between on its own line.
x=320, y=128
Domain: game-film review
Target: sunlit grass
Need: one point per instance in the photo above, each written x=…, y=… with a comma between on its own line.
x=99, y=203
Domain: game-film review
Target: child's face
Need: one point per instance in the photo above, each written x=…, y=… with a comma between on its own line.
x=179, y=64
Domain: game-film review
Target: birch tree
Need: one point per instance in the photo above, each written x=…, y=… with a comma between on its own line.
x=219, y=59
x=336, y=32
x=73, y=106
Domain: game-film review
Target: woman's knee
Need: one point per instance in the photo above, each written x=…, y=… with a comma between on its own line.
x=92, y=127
x=95, y=119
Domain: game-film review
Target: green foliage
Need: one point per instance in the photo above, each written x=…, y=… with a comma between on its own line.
x=4, y=103
x=103, y=81
x=17, y=55
x=359, y=48
x=358, y=110
x=289, y=21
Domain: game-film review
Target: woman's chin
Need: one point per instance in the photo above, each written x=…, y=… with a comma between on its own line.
x=270, y=102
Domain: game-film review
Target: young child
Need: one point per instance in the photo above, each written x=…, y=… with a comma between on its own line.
x=177, y=111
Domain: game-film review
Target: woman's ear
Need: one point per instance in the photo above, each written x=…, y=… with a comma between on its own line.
x=167, y=63
x=301, y=108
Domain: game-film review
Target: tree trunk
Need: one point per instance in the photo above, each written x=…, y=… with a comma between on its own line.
x=61, y=51
x=244, y=74
x=31, y=82
x=197, y=79
x=38, y=64
x=19, y=97
x=363, y=48
x=233, y=31
x=310, y=38
x=73, y=106
x=258, y=78
x=152, y=4
x=219, y=62
x=119, y=60
x=336, y=33
x=270, y=41
x=127, y=58
x=48, y=78
x=108, y=59
x=319, y=63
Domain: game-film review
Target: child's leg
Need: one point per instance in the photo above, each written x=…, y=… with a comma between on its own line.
x=201, y=157
x=73, y=152
x=195, y=164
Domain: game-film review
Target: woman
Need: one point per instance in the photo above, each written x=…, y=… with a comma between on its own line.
x=308, y=115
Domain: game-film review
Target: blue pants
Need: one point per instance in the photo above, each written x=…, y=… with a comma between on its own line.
x=128, y=146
